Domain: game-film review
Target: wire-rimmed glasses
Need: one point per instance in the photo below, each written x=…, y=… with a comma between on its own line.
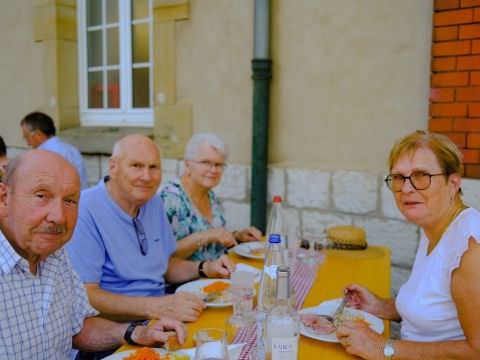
x=420, y=180
x=211, y=165
x=141, y=236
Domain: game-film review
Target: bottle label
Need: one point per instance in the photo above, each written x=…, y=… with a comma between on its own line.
x=284, y=348
x=271, y=271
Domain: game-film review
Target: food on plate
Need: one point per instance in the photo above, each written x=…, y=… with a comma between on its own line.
x=258, y=251
x=216, y=286
x=324, y=324
x=320, y=324
x=347, y=316
x=217, y=292
x=146, y=353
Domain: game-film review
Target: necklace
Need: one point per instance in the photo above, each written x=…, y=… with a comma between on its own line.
x=457, y=209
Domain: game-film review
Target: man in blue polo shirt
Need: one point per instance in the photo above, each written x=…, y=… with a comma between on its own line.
x=123, y=242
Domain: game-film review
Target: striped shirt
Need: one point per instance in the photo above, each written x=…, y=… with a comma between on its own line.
x=40, y=313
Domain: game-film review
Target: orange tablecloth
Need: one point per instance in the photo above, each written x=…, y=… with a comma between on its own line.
x=370, y=268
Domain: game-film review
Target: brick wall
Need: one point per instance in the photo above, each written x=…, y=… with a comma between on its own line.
x=455, y=78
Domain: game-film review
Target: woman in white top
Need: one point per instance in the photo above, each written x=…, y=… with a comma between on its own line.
x=439, y=305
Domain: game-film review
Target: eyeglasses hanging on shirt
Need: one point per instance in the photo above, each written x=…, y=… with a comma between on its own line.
x=141, y=236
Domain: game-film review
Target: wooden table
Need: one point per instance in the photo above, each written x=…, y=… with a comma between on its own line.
x=370, y=268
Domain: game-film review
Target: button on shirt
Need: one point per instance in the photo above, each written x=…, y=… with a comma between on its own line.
x=69, y=152
x=40, y=313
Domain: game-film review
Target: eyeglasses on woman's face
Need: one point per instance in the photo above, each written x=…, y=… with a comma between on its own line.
x=420, y=180
x=209, y=165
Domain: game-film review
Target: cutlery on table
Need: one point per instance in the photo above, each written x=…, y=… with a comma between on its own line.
x=336, y=316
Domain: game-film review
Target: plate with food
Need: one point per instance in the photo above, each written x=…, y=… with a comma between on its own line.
x=145, y=353
x=251, y=250
x=244, y=267
x=161, y=354
x=316, y=322
x=214, y=292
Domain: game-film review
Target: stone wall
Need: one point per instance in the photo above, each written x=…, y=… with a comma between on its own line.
x=317, y=199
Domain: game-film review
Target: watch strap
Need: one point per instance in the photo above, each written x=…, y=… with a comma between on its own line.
x=128, y=333
x=201, y=273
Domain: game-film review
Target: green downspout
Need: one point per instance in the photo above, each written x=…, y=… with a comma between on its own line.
x=262, y=73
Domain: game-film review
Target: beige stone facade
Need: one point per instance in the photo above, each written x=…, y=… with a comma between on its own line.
x=349, y=77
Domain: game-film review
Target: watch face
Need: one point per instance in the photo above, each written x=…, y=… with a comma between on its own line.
x=388, y=350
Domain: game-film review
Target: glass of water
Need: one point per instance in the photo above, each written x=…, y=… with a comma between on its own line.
x=211, y=344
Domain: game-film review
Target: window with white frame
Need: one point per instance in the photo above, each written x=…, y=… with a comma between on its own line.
x=115, y=62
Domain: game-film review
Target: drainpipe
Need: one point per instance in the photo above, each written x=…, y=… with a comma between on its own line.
x=261, y=75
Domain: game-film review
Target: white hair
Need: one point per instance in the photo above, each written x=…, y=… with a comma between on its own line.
x=197, y=140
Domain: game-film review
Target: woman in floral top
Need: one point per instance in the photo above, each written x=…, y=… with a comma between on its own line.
x=193, y=210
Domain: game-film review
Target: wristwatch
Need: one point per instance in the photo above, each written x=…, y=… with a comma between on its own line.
x=128, y=333
x=201, y=273
x=389, y=350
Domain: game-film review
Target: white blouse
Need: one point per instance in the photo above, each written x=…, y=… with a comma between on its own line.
x=425, y=301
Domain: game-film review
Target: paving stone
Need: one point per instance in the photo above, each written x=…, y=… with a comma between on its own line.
x=92, y=165
x=354, y=192
x=234, y=183
x=14, y=151
x=320, y=221
x=169, y=170
x=104, y=165
x=237, y=214
x=471, y=192
x=308, y=188
x=388, y=205
x=401, y=237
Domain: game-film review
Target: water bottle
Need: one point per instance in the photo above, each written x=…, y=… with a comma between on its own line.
x=274, y=258
x=276, y=222
x=282, y=328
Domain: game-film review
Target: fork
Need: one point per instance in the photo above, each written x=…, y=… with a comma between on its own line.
x=339, y=311
x=211, y=296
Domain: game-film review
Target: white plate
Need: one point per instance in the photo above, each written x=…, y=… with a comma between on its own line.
x=328, y=308
x=244, y=267
x=234, y=351
x=195, y=288
x=124, y=354
x=245, y=249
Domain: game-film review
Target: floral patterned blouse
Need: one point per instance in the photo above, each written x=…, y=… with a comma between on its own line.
x=185, y=219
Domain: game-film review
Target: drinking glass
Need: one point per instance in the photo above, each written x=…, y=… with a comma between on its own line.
x=211, y=344
x=243, y=292
x=312, y=242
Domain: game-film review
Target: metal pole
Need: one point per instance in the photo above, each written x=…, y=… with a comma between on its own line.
x=261, y=75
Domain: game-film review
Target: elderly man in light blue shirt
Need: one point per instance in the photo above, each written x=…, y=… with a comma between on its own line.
x=39, y=132
x=44, y=309
x=123, y=244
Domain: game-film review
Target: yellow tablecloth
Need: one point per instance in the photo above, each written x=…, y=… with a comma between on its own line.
x=370, y=268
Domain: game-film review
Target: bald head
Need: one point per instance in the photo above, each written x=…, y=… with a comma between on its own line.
x=38, y=160
x=130, y=142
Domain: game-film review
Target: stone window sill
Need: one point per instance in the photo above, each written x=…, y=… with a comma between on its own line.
x=99, y=140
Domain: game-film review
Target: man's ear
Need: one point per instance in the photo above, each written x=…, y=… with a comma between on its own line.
x=112, y=164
